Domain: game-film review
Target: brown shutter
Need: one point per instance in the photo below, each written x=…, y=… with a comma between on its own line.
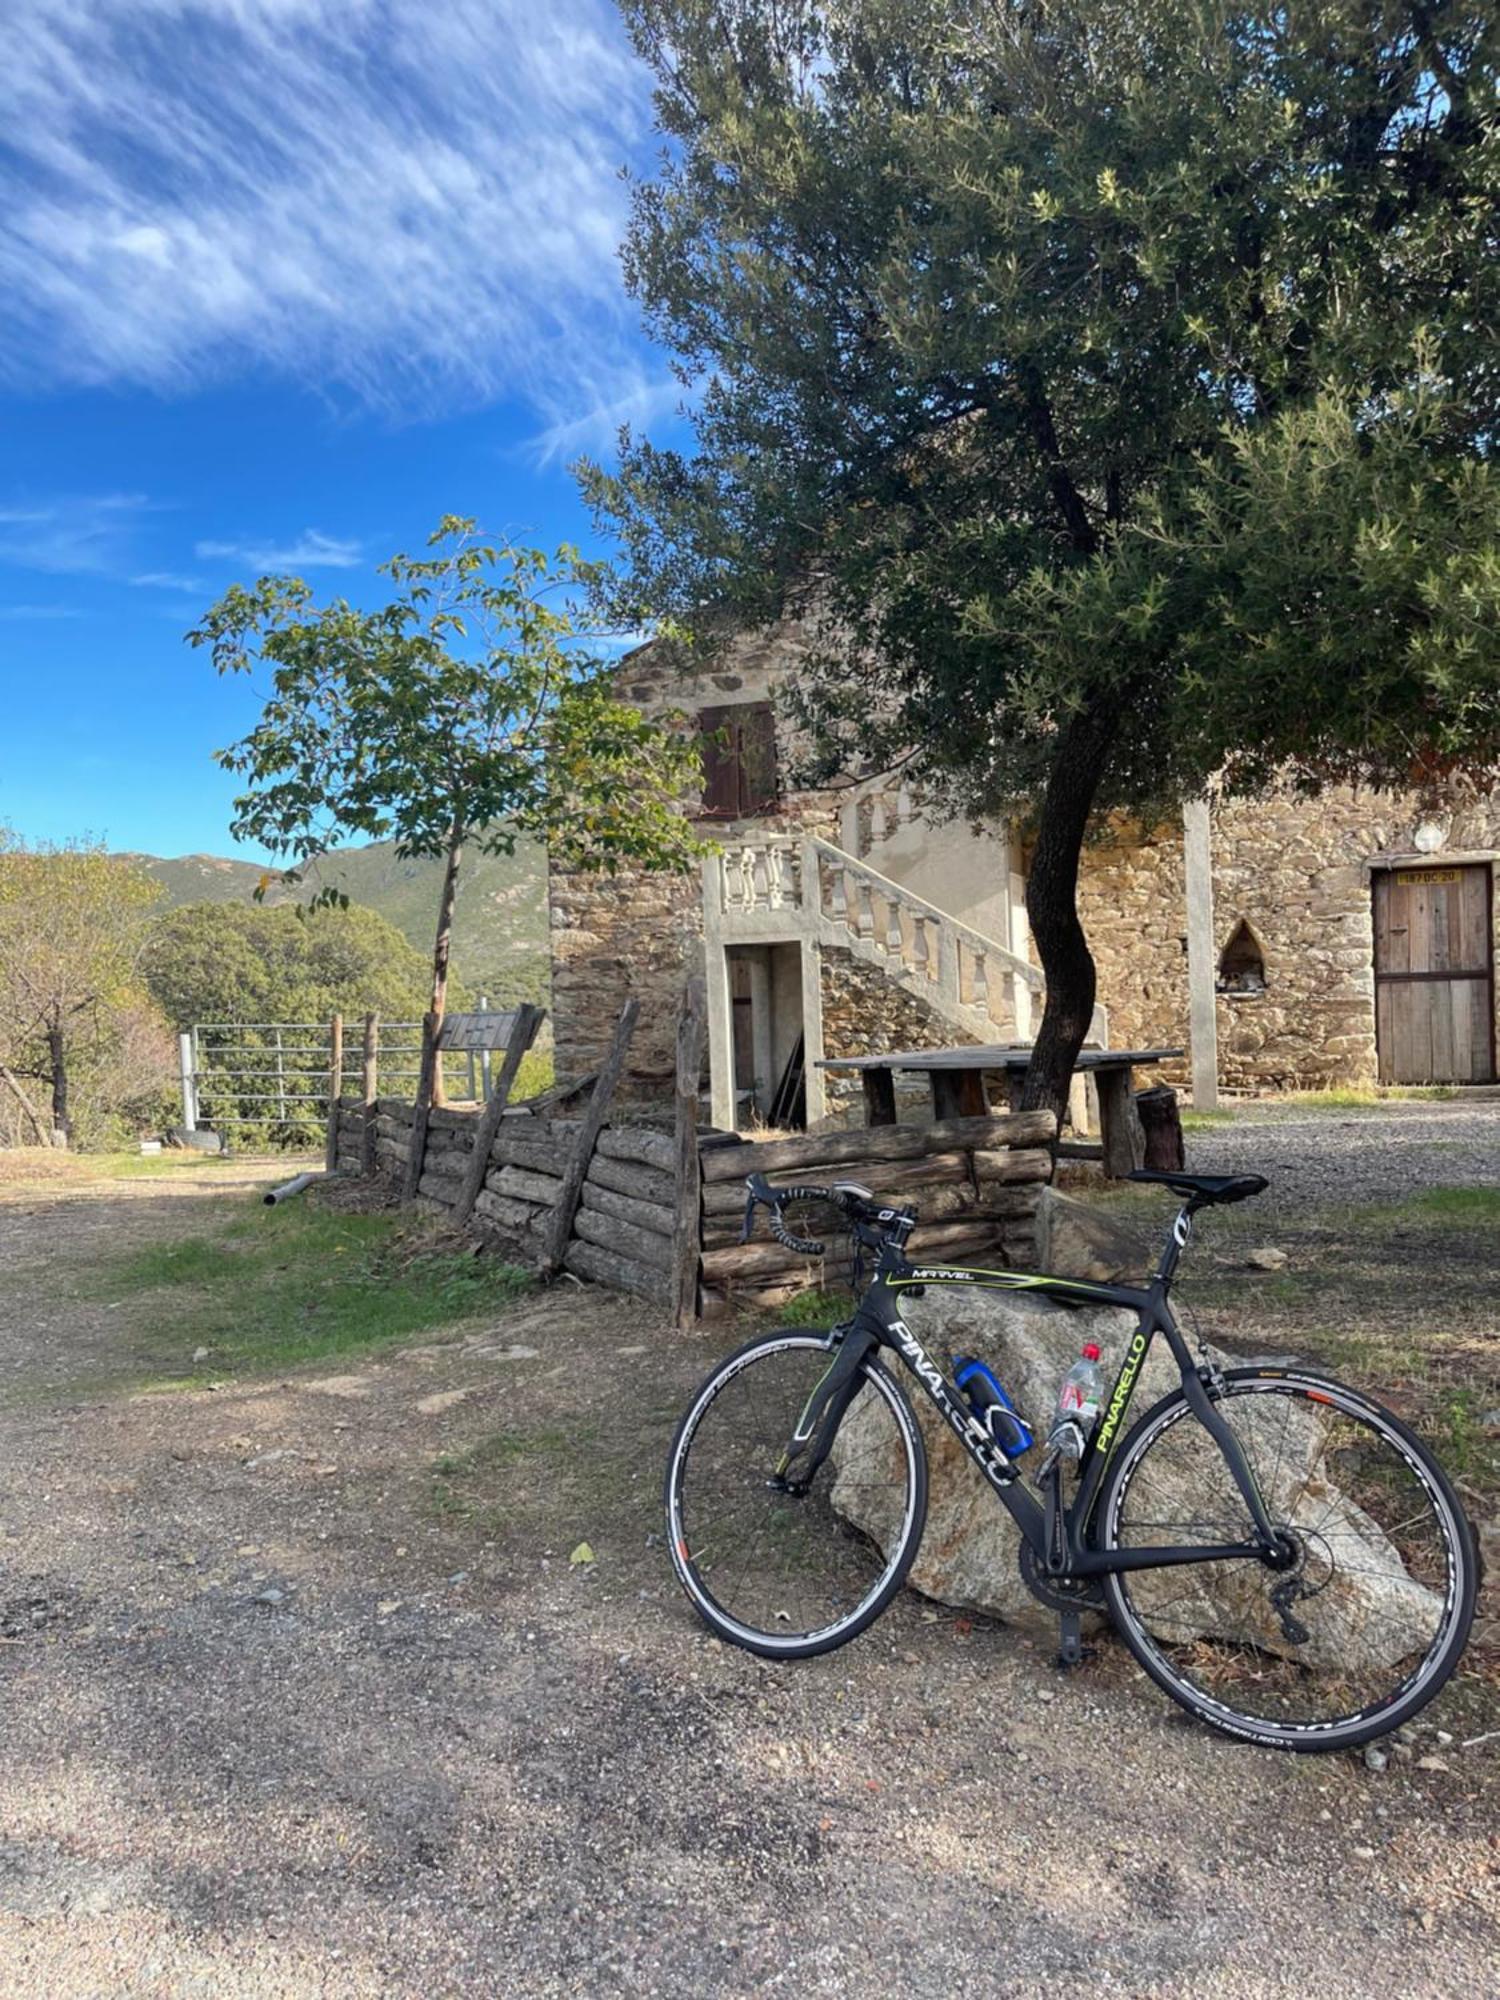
x=721, y=785
x=757, y=757
x=738, y=746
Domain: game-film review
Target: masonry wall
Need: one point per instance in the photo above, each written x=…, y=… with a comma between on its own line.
x=864, y=1011
x=640, y=933
x=1298, y=871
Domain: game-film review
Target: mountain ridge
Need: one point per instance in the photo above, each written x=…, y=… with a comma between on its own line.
x=500, y=918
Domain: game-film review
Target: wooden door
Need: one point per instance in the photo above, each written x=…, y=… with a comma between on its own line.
x=1434, y=975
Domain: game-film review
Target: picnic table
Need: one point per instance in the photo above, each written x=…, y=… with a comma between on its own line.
x=957, y=1077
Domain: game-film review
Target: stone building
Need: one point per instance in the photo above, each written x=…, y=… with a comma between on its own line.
x=1284, y=943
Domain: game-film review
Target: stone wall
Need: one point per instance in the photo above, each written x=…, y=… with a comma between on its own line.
x=1297, y=871
x=1131, y=902
x=640, y=933
x=864, y=1011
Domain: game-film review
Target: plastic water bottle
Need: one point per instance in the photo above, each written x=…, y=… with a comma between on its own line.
x=1079, y=1402
x=991, y=1405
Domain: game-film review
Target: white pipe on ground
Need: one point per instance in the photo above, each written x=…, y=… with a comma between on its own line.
x=291, y=1187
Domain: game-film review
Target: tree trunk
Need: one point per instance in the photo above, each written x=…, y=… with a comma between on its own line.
x=442, y=951
x=26, y=1105
x=1052, y=909
x=62, y=1131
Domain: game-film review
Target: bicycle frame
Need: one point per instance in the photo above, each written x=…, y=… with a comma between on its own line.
x=877, y=1322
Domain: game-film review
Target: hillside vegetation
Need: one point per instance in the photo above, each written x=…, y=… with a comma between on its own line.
x=500, y=936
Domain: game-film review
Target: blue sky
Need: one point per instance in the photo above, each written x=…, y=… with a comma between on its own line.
x=285, y=280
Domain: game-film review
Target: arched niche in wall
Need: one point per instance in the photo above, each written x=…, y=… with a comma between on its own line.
x=1242, y=963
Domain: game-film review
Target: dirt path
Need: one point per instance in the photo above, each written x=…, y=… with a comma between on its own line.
x=304, y=1697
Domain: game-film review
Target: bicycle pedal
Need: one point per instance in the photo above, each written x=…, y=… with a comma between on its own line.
x=1071, y=1651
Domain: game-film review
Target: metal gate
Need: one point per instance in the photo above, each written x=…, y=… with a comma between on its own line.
x=276, y=1075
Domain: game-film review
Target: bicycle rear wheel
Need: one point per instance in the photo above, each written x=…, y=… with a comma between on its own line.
x=1365, y=1612
x=788, y=1575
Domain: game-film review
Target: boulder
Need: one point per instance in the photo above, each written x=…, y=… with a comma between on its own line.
x=1077, y=1241
x=968, y=1556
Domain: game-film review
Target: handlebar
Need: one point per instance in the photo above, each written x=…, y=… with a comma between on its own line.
x=871, y=1222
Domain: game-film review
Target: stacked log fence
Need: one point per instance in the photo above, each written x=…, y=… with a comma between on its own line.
x=976, y=1183
x=656, y=1210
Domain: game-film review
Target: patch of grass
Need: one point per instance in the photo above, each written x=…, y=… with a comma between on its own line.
x=1366, y=1096
x=276, y=1287
x=1343, y=1097
x=556, y=1483
x=1205, y=1121
x=812, y=1308
x=1468, y=1448
x=1470, y=1207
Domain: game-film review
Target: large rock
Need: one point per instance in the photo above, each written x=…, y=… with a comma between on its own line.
x=1076, y=1241
x=1371, y=1614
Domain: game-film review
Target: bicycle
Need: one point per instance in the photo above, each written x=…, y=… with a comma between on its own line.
x=1253, y=1620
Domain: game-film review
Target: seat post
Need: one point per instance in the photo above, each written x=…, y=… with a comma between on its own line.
x=1177, y=1241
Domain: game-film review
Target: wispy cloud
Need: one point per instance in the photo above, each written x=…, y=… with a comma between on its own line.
x=166, y=579
x=13, y=614
x=596, y=423
x=419, y=203
x=86, y=534
x=311, y=550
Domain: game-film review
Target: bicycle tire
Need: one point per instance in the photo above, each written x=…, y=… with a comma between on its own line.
x=1125, y=1594
x=896, y=1561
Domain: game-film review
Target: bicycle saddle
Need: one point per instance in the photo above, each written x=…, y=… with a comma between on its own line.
x=1205, y=1187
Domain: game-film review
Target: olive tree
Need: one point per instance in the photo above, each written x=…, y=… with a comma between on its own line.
x=1109, y=384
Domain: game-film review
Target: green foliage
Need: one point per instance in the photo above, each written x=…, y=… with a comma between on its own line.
x=467, y=708
x=242, y=962
x=500, y=945
x=294, y=1284
x=1110, y=386
x=1132, y=358
x=84, y=1049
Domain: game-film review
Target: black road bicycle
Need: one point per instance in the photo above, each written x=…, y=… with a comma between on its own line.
x=1281, y=1554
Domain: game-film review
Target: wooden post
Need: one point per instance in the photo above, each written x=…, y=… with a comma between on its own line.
x=370, y=1085
x=522, y=1035
x=335, y=1086
x=958, y=1093
x=560, y=1227
x=416, y=1151
x=1119, y=1123
x=880, y=1096
x=687, y=1233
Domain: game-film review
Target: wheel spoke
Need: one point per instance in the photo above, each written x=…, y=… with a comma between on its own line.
x=1363, y=1598
x=780, y=1565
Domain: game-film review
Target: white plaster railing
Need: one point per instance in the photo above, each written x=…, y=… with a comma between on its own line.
x=772, y=886
x=775, y=888
x=952, y=965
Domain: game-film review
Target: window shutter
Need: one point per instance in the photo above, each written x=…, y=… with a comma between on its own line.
x=758, y=790
x=738, y=746
x=716, y=744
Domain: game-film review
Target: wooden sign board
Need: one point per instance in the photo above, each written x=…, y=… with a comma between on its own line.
x=1420, y=877
x=476, y=1032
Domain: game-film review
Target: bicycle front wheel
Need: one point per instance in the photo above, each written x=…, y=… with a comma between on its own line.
x=1362, y=1613
x=789, y=1574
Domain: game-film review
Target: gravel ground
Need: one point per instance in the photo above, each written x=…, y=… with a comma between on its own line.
x=279, y=1723
x=1335, y=1157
